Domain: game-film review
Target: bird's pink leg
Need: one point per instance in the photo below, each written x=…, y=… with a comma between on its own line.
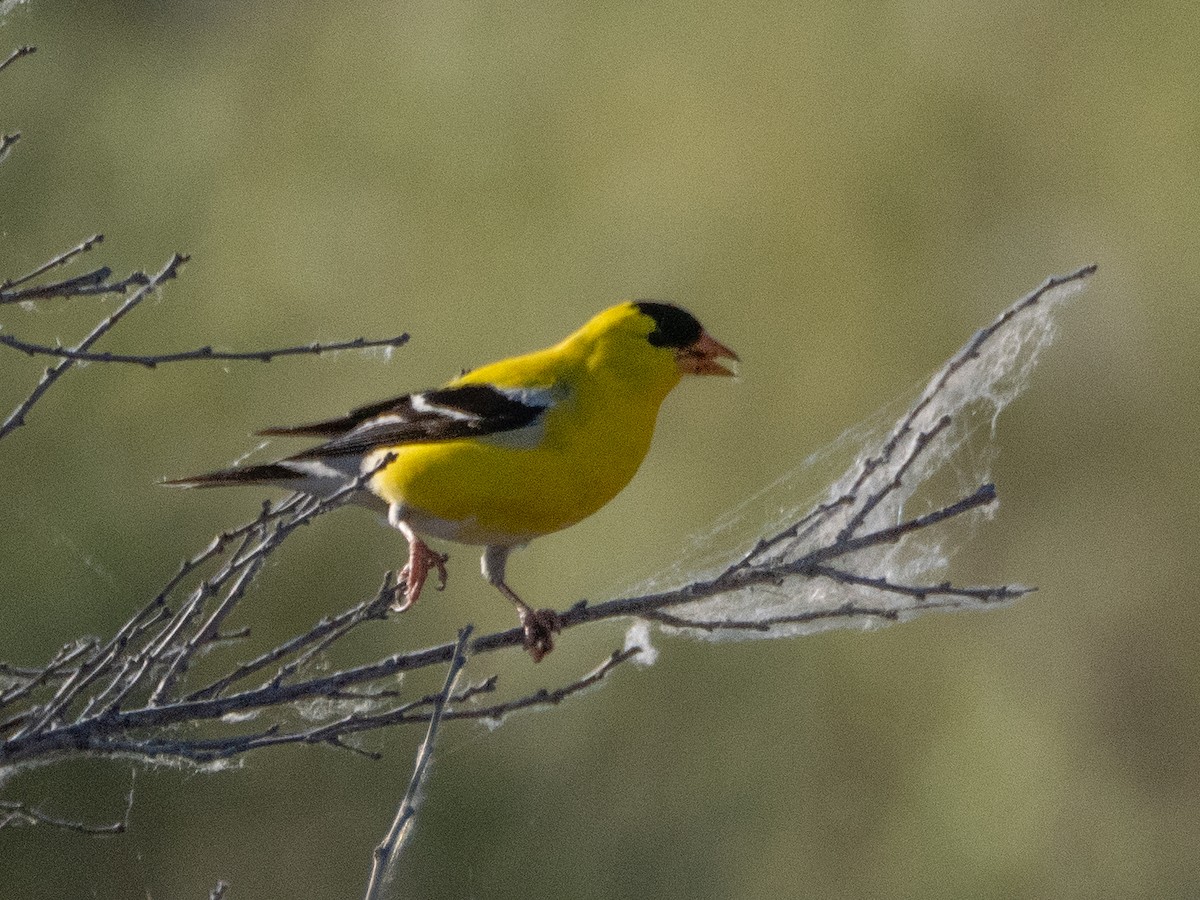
x=415, y=572
x=412, y=577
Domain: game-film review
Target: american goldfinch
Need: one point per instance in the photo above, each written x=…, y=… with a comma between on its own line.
x=508, y=452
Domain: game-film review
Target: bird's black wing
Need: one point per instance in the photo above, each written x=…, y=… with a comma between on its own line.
x=469, y=410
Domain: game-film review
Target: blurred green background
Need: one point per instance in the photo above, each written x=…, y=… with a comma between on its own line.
x=843, y=193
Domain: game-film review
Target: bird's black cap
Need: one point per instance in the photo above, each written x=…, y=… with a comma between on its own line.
x=674, y=327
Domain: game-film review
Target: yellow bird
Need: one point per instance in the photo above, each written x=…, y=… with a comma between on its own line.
x=508, y=452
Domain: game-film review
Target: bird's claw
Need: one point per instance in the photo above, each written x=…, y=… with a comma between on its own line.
x=400, y=595
x=411, y=579
x=540, y=626
x=439, y=561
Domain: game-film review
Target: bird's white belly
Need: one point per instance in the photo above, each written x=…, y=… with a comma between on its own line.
x=461, y=531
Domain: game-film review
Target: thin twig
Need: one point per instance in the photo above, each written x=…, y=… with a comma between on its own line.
x=257, y=542
x=7, y=142
x=17, y=418
x=998, y=594
x=546, y=697
x=200, y=354
x=152, y=612
x=322, y=638
x=325, y=630
x=392, y=845
x=156, y=610
x=845, y=611
x=56, y=668
x=918, y=448
x=176, y=629
x=13, y=814
x=206, y=633
x=19, y=53
x=89, y=284
x=54, y=262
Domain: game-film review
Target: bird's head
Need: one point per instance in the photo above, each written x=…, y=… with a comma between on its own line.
x=696, y=351
x=651, y=342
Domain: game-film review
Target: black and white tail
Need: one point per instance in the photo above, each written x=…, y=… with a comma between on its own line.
x=309, y=476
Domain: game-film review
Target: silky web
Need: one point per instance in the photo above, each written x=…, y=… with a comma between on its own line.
x=907, y=460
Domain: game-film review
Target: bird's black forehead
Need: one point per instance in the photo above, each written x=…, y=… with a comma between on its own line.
x=674, y=327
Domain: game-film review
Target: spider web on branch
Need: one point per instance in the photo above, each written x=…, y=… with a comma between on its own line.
x=871, y=548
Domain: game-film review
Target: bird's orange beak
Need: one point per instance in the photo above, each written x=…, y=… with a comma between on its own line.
x=701, y=357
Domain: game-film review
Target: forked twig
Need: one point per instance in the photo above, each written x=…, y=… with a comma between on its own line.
x=17, y=418
x=53, y=263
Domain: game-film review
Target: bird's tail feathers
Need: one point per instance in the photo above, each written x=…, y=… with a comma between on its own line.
x=309, y=476
x=268, y=473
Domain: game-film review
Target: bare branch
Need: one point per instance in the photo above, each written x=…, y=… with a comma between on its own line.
x=200, y=354
x=207, y=632
x=545, y=697
x=29, y=680
x=17, y=418
x=322, y=635
x=14, y=814
x=7, y=142
x=19, y=53
x=61, y=260
x=999, y=594
x=114, y=729
x=878, y=497
x=90, y=284
x=392, y=845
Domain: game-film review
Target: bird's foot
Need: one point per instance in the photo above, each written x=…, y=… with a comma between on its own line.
x=540, y=626
x=412, y=577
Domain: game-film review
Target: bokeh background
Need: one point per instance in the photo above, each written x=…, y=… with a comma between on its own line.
x=842, y=192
